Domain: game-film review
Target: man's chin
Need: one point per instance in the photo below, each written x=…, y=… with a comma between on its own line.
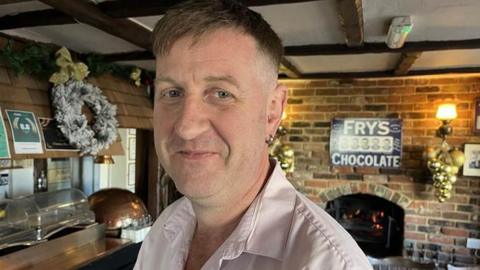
x=195, y=185
x=196, y=193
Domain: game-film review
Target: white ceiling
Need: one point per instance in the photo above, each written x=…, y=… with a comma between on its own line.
x=432, y=19
x=448, y=59
x=305, y=23
x=345, y=63
x=314, y=22
x=79, y=37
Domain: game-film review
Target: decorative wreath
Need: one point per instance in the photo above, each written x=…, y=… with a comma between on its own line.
x=68, y=99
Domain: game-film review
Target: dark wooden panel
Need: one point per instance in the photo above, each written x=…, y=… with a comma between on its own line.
x=406, y=62
x=350, y=13
x=91, y=15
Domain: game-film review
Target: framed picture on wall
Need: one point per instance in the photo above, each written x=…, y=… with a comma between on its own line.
x=471, y=167
x=131, y=174
x=131, y=148
x=476, y=116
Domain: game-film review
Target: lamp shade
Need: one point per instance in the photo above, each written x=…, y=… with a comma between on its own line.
x=447, y=111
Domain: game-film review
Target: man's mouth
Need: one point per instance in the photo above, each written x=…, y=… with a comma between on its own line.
x=195, y=155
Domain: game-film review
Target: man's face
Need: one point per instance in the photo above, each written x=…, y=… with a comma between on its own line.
x=215, y=104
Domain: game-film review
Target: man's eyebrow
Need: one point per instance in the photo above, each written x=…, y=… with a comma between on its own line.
x=165, y=79
x=227, y=78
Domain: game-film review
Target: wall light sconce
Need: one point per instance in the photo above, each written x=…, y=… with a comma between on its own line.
x=104, y=159
x=446, y=113
x=444, y=161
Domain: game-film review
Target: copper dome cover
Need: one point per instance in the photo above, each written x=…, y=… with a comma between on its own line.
x=118, y=208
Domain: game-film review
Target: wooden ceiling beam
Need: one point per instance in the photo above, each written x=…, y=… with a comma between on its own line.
x=35, y=18
x=339, y=49
x=115, y=9
x=5, y=2
x=128, y=56
x=406, y=62
x=91, y=15
x=350, y=14
x=352, y=75
x=389, y=73
x=140, y=8
x=416, y=46
x=290, y=69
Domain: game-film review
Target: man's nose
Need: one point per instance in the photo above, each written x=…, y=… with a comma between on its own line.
x=192, y=119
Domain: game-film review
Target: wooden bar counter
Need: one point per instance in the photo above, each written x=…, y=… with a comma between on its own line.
x=73, y=251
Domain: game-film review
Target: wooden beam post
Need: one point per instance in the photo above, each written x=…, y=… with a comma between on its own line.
x=350, y=13
x=406, y=62
x=290, y=69
x=147, y=177
x=91, y=15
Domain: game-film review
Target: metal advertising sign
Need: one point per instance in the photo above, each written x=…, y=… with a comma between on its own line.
x=366, y=142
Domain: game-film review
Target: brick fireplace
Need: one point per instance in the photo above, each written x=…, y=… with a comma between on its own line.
x=432, y=230
x=375, y=223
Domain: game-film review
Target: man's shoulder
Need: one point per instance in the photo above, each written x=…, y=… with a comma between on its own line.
x=314, y=231
x=153, y=250
x=167, y=213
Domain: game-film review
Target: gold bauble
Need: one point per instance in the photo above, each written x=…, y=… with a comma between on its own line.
x=437, y=165
x=432, y=163
x=287, y=151
x=438, y=177
x=448, y=186
x=446, y=168
x=454, y=170
x=431, y=153
x=458, y=158
x=445, y=192
x=452, y=178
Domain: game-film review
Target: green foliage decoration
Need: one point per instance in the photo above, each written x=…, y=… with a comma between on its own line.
x=39, y=60
x=33, y=59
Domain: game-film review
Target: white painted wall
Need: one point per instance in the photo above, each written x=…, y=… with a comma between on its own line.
x=116, y=175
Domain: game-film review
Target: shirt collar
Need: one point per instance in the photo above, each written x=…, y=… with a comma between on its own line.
x=273, y=217
x=263, y=229
x=181, y=222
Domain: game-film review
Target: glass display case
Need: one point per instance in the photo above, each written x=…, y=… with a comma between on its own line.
x=33, y=219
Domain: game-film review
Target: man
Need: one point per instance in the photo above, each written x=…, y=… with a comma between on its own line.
x=217, y=106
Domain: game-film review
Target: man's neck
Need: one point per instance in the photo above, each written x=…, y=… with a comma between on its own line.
x=225, y=215
x=216, y=224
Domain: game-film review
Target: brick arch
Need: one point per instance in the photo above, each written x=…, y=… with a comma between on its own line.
x=365, y=188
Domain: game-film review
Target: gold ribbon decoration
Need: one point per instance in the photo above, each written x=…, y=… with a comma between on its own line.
x=135, y=75
x=68, y=69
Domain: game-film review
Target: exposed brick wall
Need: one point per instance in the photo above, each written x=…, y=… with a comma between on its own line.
x=431, y=227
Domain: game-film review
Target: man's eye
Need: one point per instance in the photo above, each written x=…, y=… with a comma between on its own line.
x=223, y=94
x=171, y=93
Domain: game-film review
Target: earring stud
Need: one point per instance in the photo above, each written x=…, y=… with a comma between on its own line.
x=269, y=140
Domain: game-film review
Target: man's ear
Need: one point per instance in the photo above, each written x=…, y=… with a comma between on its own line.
x=276, y=106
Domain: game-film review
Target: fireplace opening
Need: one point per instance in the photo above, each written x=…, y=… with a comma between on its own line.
x=375, y=223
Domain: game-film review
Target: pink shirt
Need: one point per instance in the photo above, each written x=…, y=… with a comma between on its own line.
x=281, y=229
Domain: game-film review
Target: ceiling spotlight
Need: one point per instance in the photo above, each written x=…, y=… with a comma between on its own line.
x=400, y=27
